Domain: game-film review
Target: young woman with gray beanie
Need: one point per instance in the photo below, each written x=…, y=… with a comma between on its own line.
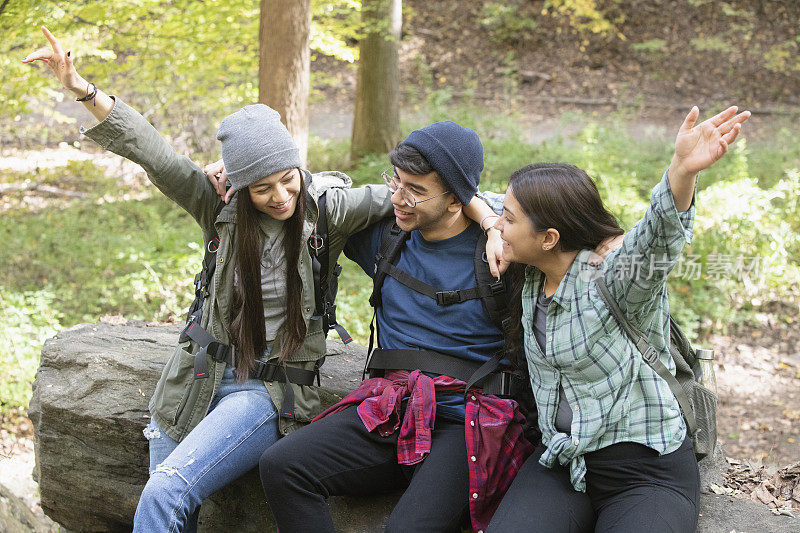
x=211, y=418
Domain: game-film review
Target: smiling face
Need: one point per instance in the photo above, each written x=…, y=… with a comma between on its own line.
x=277, y=194
x=521, y=242
x=429, y=211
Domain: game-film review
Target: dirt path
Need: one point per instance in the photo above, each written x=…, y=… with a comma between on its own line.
x=758, y=378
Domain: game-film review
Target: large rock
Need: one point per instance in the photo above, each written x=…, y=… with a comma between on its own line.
x=89, y=407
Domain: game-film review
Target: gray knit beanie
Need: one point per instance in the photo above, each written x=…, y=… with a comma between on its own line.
x=255, y=144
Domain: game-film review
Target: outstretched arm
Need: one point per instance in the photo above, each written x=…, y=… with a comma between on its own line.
x=637, y=274
x=60, y=63
x=125, y=132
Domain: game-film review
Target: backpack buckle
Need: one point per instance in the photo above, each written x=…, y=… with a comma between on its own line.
x=316, y=242
x=217, y=351
x=448, y=297
x=505, y=383
x=497, y=287
x=378, y=261
x=183, y=336
x=263, y=371
x=650, y=355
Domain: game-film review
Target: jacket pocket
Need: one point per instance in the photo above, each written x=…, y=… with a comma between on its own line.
x=174, y=386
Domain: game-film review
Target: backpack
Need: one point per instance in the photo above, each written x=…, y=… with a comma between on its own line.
x=698, y=404
x=492, y=293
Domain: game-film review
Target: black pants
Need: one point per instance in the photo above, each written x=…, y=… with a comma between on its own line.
x=629, y=488
x=337, y=456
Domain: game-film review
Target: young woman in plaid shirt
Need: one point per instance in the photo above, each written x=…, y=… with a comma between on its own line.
x=615, y=453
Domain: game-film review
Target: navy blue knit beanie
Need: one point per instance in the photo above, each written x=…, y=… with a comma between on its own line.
x=454, y=152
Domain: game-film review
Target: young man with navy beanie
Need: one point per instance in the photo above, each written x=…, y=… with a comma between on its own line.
x=454, y=454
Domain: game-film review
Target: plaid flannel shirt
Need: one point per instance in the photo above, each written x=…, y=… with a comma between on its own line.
x=496, y=447
x=615, y=396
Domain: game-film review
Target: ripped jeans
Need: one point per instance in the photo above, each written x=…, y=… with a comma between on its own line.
x=241, y=423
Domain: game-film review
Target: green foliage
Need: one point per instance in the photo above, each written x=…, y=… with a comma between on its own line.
x=586, y=16
x=64, y=266
x=746, y=238
x=29, y=318
x=176, y=60
x=653, y=45
x=784, y=56
x=136, y=257
x=515, y=21
x=335, y=26
x=715, y=43
x=506, y=22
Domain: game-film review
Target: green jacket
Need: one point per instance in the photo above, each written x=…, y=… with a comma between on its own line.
x=179, y=401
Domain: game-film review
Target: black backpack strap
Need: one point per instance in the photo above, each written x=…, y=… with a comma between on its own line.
x=487, y=369
x=649, y=354
x=318, y=249
x=208, y=344
x=325, y=284
x=487, y=289
x=373, y=326
x=203, y=278
x=484, y=375
x=495, y=298
x=392, y=241
x=441, y=297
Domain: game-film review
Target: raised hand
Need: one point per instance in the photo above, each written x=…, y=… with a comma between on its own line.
x=60, y=63
x=697, y=147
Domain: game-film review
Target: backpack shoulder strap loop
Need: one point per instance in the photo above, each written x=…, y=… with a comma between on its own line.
x=649, y=354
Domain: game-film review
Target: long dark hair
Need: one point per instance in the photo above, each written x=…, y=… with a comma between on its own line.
x=248, y=332
x=565, y=198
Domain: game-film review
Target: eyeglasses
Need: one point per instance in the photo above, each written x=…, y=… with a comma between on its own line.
x=392, y=182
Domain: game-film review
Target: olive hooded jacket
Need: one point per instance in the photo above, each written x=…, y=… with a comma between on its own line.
x=180, y=401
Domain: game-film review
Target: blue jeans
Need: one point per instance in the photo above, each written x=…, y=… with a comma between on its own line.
x=241, y=423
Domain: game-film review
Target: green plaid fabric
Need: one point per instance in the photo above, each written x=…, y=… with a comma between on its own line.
x=615, y=396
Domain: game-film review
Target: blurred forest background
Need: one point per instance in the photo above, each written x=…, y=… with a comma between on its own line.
x=603, y=84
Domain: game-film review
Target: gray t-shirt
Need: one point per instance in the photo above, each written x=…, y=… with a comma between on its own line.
x=273, y=284
x=564, y=413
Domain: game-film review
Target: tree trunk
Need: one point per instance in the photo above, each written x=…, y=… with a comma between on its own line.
x=376, y=124
x=284, y=63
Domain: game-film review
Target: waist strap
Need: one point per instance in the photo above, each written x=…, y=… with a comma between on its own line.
x=262, y=370
x=486, y=375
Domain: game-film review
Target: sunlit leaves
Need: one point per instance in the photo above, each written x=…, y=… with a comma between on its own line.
x=177, y=61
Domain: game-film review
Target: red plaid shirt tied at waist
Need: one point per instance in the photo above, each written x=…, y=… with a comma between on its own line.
x=496, y=447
